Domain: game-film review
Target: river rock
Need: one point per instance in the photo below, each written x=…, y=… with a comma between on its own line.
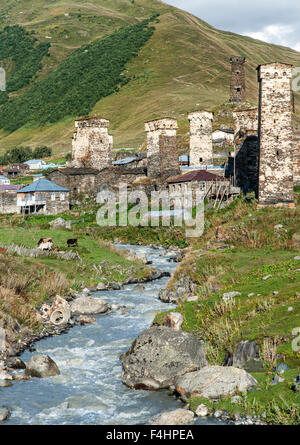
x=41, y=366
x=5, y=383
x=245, y=351
x=60, y=311
x=173, y=320
x=202, y=410
x=4, y=375
x=4, y=414
x=101, y=286
x=183, y=289
x=214, y=382
x=15, y=363
x=84, y=319
x=88, y=306
x=176, y=417
x=158, y=356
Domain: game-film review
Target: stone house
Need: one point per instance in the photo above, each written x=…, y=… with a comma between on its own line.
x=223, y=138
x=43, y=196
x=196, y=181
x=80, y=181
x=8, y=198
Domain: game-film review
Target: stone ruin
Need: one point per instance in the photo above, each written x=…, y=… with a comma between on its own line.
x=201, y=148
x=276, y=137
x=91, y=144
x=162, y=153
x=238, y=80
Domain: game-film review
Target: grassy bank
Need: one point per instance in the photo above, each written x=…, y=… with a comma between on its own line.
x=251, y=252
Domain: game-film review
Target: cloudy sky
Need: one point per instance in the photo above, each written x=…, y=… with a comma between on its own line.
x=275, y=21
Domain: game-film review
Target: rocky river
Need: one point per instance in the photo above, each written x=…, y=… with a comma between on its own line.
x=89, y=390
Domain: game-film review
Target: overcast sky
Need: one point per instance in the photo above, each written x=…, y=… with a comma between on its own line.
x=275, y=21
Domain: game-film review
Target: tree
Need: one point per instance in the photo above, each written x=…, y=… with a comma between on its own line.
x=42, y=152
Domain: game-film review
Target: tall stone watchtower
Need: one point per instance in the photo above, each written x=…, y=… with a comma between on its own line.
x=201, y=148
x=162, y=153
x=238, y=80
x=91, y=145
x=275, y=132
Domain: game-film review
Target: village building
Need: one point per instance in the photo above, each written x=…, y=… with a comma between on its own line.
x=197, y=181
x=80, y=181
x=4, y=180
x=43, y=196
x=36, y=164
x=91, y=144
x=201, y=147
x=223, y=138
x=162, y=152
x=237, y=80
x=8, y=198
x=276, y=138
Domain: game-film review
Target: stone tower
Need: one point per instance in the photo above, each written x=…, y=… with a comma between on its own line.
x=201, y=148
x=238, y=80
x=162, y=153
x=91, y=145
x=245, y=159
x=276, y=139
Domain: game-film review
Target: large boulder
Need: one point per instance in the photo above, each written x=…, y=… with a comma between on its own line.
x=176, y=417
x=214, y=382
x=88, y=306
x=41, y=366
x=159, y=355
x=4, y=414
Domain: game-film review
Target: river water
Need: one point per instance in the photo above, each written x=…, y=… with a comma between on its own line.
x=89, y=390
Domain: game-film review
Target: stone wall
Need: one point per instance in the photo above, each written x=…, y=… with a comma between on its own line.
x=296, y=158
x=201, y=148
x=275, y=135
x=162, y=152
x=238, y=80
x=8, y=203
x=91, y=144
x=246, y=153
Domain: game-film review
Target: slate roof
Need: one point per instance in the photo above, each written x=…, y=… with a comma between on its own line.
x=43, y=185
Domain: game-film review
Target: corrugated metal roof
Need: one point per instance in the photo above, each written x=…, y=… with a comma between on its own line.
x=196, y=175
x=125, y=161
x=9, y=187
x=73, y=171
x=43, y=185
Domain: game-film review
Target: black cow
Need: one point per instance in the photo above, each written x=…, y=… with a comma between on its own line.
x=73, y=242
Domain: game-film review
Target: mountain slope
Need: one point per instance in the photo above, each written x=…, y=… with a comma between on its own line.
x=182, y=67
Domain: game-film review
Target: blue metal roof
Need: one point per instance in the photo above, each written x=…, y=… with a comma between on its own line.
x=125, y=161
x=43, y=185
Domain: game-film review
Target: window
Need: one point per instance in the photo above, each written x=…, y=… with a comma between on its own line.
x=52, y=196
x=200, y=159
x=62, y=196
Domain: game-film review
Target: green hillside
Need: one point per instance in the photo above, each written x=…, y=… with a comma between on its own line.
x=183, y=66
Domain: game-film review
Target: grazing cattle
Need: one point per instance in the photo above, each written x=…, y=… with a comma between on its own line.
x=45, y=244
x=73, y=242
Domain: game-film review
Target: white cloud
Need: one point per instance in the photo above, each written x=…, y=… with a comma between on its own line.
x=279, y=34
